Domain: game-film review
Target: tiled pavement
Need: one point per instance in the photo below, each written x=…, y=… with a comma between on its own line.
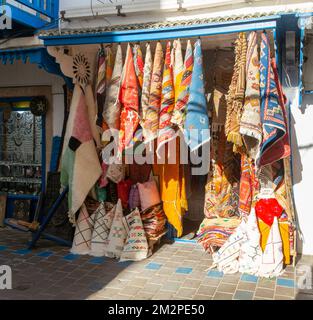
x=176, y=271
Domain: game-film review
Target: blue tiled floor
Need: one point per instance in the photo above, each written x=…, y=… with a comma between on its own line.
x=97, y=260
x=183, y=270
x=215, y=274
x=285, y=282
x=126, y=263
x=22, y=251
x=71, y=257
x=243, y=295
x=153, y=266
x=131, y=280
x=249, y=278
x=45, y=254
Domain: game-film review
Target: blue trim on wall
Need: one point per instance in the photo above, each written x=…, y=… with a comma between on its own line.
x=38, y=56
x=194, y=30
x=56, y=150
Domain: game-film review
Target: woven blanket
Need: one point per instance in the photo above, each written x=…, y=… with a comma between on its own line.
x=214, y=232
x=111, y=112
x=236, y=93
x=242, y=251
x=79, y=153
x=117, y=235
x=83, y=232
x=275, y=144
x=103, y=219
x=129, y=98
x=136, y=246
x=196, y=126
x=145, y=93
x=179, y=113
x=172, y=188
x=250, y=124
x=151, y=120
x=222, y=189
x=248, y=185
x=166, y=128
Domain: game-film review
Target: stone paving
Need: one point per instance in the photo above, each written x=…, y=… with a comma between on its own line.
x=176, y=271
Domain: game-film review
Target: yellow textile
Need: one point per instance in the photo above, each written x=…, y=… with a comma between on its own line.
x=172, y=190
x=284, y=233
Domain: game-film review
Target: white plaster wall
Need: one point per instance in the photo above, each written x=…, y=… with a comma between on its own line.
x=302, y=141
x=21, y=75
x=140, y=11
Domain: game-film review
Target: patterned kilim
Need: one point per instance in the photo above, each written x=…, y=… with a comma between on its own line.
x=151, y=121
x=111, y=112
x=197, y=121
x=250, y=124
x=214, y=232
x=154, y=220
x=129, y=98
x=83, y=232
x=79, y=153
x=248, y=185
x=222, y=189
x=136, y=246
x=166, y=127
x=275, y=144
x=103, y=222
x=179, y=113
x=236, y=94
x=117, y=235
x=145, y=93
